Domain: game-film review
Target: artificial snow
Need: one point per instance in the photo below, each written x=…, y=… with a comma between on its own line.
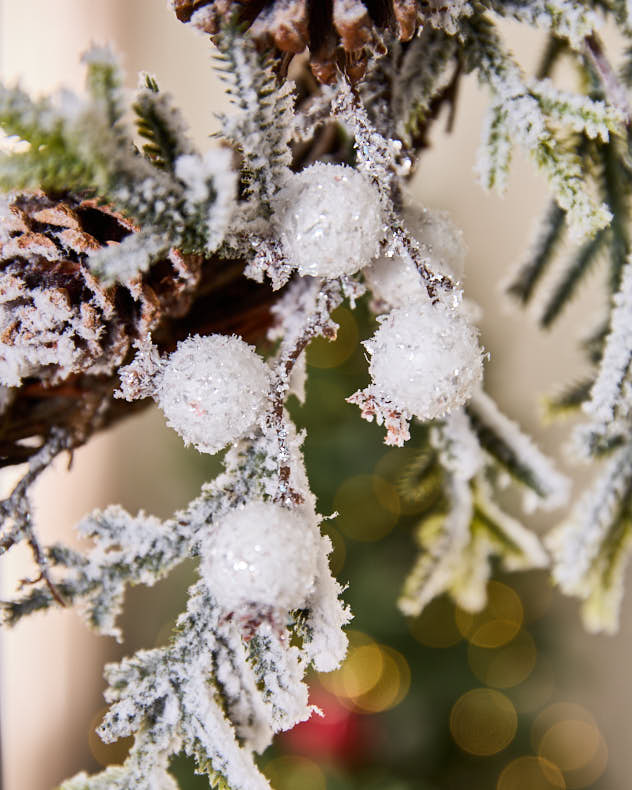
x=329, y=220
x=213, y=390
x=263, y=555
x=425, y=359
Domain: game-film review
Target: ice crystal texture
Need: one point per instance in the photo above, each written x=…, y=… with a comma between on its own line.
x=263, y=555
x=426, y=359
x=213, y=390
x=329, y=220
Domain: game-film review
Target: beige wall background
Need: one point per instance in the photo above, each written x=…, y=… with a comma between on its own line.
x=50, y=666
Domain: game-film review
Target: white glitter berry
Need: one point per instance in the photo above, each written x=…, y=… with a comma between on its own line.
x=442, y=239
x=213, y=390
x=329, y=220
x=396, y=280
x=263, y=555
x=425, y=359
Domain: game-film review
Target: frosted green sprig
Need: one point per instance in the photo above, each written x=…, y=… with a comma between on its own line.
x=517, y=115
x=83, y=145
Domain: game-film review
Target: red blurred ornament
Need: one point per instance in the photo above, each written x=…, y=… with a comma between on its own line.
x=339, y=735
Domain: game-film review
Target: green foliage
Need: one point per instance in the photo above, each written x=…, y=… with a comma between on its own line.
x=263, y=125
x=161, y=125
x=523, y=284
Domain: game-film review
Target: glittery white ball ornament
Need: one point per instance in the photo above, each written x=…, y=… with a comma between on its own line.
x=329, y=220
x=263, y=555
x=441, y=237
x=213, y=390
x=425, y=359
x=396, y=280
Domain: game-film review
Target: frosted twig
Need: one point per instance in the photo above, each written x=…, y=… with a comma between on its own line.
x=16, y=507
x=315, y=323
x=376, y=159
x=614, y=90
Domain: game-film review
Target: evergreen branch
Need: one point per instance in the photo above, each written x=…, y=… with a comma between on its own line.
x=503, y=441
x=97, y=581
x=46, y=169
x=414, y=88
x=161, y=125
x=520, y=112
x=575, y=271
x=590, y=117
x=462, y=528
x=493, y=168
x=104, y=82
x=570, y=400
x=612, y=88
x=617, y=189
x=610, y=397
x=591, y=547
x=263, y=125
x=517, y=547
x=600, y=610
x=167, y=695
x=554, y=49
x=436, y=566
x=572, y=20
x=36, y=122
x=90, y=150
x=543, y=249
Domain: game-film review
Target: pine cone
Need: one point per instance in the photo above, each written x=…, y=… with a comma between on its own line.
x=56, y=318
x=339, y=33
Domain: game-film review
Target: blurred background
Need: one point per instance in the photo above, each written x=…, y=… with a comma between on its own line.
x=515, y=698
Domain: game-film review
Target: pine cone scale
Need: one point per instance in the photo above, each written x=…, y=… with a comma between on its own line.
x=340, y=34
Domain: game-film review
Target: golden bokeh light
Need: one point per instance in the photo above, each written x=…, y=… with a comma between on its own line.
x=505, y=666
x=361, y=515
x=362, y=671
x=337, y=682
x=558, y=711
x=322, y=353
x=435, y=626
x=531, y=773
x=570, y=744
x=373, y=677
x=290, y=773
x=483, y=722
x=497, y=623
x=567, y=734
x=107, y=753
x=386, y=494
x=392, y=686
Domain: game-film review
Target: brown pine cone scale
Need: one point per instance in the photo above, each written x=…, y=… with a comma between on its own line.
x=340, y=34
